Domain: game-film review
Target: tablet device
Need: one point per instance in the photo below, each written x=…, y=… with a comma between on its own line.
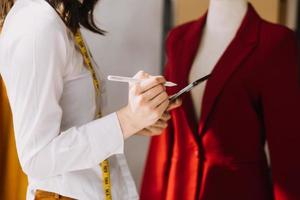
x=188, y=88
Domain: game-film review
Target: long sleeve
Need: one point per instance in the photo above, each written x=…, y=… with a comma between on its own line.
x=35, y=85
x=281, y=108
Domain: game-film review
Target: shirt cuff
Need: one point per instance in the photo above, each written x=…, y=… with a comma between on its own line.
x=106, y=137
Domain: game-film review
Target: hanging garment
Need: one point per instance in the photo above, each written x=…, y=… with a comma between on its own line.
x=12, y=179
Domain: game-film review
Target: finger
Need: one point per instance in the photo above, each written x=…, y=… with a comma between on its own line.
x=135, y=89
x=160, y=124
x=163, y=107
x=144, y=132
x=151, y=82
x=136, y=86
x=153, y=92
x=175, y=104
x=154, y=130
x=165, y=117
x=162, y=97
x=141, y=75
x=150, y=131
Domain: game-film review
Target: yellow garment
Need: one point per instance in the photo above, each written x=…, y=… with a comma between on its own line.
x=13, y=182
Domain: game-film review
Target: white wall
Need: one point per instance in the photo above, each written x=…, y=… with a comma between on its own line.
x=133, y=43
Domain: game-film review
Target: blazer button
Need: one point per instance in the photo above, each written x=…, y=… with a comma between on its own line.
x=196, y=153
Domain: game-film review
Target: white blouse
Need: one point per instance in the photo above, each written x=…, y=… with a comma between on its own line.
x=53, y=102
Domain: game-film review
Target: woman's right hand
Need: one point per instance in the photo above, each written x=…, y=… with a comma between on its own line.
x=148, y=101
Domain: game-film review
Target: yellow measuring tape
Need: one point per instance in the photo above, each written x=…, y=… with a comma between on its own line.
x=87, y=60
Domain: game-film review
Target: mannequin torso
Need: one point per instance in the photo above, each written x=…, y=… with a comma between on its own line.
x=223, y=21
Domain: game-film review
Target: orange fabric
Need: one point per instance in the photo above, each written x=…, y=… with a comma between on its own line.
x=44, y=195
x=13, y=182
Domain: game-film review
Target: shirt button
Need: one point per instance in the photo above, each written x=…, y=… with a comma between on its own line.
x=196, y=153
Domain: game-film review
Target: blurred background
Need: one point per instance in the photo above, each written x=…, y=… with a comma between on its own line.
x=135, y=41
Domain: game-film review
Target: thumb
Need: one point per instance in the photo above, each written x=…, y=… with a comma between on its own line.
x=175, y=104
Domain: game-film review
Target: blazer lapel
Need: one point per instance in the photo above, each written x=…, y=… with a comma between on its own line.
x=242, y=45
x=185, y=55
x=188, y=50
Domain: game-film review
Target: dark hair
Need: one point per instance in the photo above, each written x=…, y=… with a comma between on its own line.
x=5, y=6
x=76, y=13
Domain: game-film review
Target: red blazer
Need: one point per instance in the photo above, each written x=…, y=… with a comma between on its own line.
x=252, y=97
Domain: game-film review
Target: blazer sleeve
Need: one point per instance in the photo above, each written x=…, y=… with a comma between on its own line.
x=281, y=107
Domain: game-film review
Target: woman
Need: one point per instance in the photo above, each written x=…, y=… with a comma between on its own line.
x=54, y=95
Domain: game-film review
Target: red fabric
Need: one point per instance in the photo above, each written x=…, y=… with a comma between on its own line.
x=253, y=96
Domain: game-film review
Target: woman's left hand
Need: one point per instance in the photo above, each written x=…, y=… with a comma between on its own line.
x=162, y=123
x=174, y=104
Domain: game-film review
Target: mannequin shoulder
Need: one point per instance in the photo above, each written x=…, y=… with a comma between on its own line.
x=278, y=45
x=276, y=34
x=182, y=31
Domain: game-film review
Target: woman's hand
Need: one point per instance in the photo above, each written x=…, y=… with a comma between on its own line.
x=148, y=101
x=158, y=127
x=162, y=123
x=174, y=104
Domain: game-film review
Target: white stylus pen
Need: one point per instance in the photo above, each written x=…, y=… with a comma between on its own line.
x=133, y=80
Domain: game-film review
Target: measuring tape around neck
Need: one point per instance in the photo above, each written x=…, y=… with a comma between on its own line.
x=87, y=60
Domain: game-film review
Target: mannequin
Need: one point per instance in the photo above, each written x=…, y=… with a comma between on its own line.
x=223, y=20
x=251, y=98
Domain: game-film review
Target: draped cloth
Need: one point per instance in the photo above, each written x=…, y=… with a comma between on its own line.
x=13, y=182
